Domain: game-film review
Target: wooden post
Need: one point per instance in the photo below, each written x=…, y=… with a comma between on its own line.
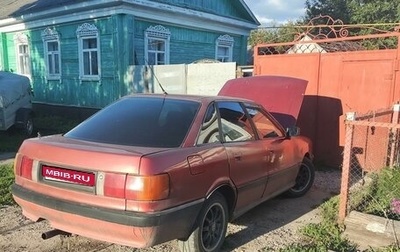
x=394, y=132
x=344, y=188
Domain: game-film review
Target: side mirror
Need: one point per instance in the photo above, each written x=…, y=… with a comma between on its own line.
x=292, y=131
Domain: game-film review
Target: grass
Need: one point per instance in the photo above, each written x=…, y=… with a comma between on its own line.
x=323, y=236
x=45, y=125
x=6, y=180
x=11, y=140
x=376, y=199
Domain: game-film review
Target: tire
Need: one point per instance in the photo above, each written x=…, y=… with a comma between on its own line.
x=24, y=121
x=28, y=125
x=212, y=223
x=304, y=179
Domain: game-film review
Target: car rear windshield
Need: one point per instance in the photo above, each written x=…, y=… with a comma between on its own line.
x=139, y=121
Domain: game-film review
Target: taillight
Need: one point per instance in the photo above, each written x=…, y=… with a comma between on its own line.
x=136, y=187
x=114, y=185
x=147, y=187
x=24, y=167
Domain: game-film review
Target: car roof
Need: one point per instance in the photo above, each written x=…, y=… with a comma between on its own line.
x=197, y=98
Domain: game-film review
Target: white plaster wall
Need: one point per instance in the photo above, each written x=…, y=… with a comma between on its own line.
x=201, y=79
x=208, y=78
x=171, y=77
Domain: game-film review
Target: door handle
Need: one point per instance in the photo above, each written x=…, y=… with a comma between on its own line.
x=271, y=156
x=237, y=156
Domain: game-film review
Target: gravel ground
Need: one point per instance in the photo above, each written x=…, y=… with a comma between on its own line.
x=268, y=227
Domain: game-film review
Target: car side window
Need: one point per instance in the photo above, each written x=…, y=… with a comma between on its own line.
x=235, y=125
x=264, y=125
x=209, y=132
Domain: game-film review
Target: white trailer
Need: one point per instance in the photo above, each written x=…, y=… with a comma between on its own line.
x=15, y=102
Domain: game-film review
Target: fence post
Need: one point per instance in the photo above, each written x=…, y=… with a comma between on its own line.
x=344, y=187
x=395, y=119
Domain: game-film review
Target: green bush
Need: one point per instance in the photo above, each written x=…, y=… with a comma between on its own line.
x=387, y=189
x=6, y=180
x=382, y=196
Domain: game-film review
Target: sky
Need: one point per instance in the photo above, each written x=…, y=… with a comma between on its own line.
x=275, y=12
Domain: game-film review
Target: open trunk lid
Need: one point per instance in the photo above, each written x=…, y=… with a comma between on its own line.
x=282, y=96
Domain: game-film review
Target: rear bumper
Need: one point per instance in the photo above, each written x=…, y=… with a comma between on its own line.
x=122, y=227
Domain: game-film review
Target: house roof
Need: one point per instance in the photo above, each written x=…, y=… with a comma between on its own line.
x=17, y=8
x=24, y=10
x=323, y=45
x=342, y=46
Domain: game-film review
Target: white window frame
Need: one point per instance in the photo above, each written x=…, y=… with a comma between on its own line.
x=84, y=32
x=21, y=39
x=226, y=42
x=157, y=33
x=51, y=36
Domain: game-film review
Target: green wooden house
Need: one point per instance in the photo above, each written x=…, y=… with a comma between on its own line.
x=77, y=52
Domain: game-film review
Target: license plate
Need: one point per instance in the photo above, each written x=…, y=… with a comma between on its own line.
x=68, y=176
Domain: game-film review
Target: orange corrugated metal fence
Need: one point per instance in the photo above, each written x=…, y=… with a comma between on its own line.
x=346, y=80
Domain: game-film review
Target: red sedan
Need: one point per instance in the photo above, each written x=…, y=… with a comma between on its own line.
x=155, y=167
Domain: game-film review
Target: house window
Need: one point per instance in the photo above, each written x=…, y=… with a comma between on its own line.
x=51, y=41
x=224, y=48
x=22, y=54
x=89, y=52
x=157, y=45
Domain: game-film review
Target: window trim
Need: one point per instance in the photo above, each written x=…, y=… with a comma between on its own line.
x=224, y=41
x=23, y=39
x=88, y=31
x=161, y=33
x=51, y=35
x=200, y=140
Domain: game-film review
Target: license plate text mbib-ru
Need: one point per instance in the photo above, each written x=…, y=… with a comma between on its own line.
x=69, y=176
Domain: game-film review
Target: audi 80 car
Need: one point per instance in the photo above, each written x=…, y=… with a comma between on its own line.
x=151, y=168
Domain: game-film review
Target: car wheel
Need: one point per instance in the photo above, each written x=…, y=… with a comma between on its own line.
x=304, y=179
x=28, y=125
x=212, y=223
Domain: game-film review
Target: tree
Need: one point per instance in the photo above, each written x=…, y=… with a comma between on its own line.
x=378, y=15
x=374, y=11
x=336, y=9
x=386, y=12
x=277, y=34
x=355, y=11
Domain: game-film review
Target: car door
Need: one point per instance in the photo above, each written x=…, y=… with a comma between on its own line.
x=281, y=165
x=246, y=155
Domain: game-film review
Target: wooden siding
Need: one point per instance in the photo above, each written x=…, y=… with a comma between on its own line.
x=188, y=45
x=115, y=58
x=10, y=50
x=227, y=8
x=3, y=52
x=121, y=45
